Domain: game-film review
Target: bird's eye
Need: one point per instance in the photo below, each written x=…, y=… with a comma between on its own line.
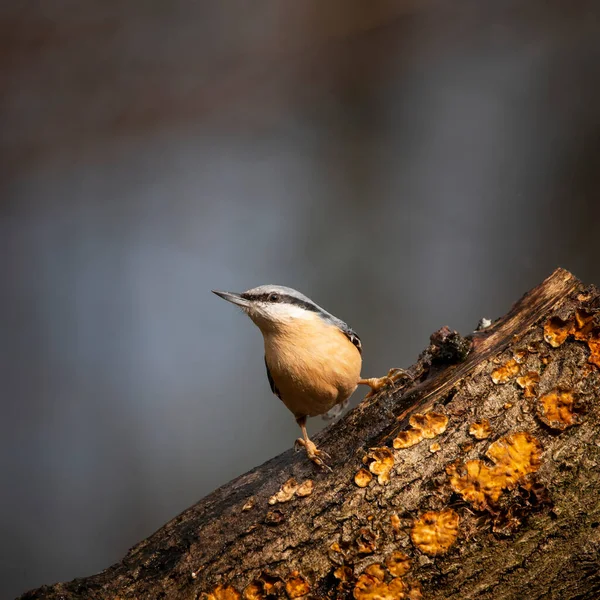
x=273, y=297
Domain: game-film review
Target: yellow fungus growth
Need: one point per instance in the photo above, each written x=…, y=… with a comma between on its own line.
x=506, y=372
x=476, y=482
x=431, y=424
x=363, y=478
x=480, y=430
x=249, y=504
x=594, y=346
x=529, y=382
x=406, y=439
x=395, y=522
x=290, y=489
x=520, y=356
x=556, y=331
x=366, y=541
x=434, y=532
x=305, y=489
x=397, y=564
x=587, y=330
x=272, y=585
x=517, y=454
x=224, y=593
x=343, y=573
x=425, y=426
x=296, y=586
x=584, y=324
x=376, y=570
x=557, y=409
x=514, y=457
x=370, y=588
x=415, y=592
x=584, y=327
x=466, y=447
x=435, y=447
x=380, y=462
x=286, y=492
x=254, y=591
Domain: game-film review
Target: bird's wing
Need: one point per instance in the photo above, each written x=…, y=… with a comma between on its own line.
x=271, y=381
x=353, y=337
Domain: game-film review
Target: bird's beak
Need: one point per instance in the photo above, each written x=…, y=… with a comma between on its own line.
x=233, y=298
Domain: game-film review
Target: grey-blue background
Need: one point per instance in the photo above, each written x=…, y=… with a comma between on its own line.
x=408, y=165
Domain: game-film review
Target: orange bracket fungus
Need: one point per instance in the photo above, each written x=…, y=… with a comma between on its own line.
x=265, y=586
x=517, y=454
x=376, y=584
x=254, y=591
x=380, y=462
x=286, y=492
x=594, y=346
x=425, y=426
x=557, y=409
x=529, y=382
x=398, y=564
x=290, y=489
x=406, y=439
x=296, y=586
x=584, y=324
x=305, y=489
x=480, y=430
x=395, y=522
x=506, y=372
x=363, y=478
x=223, y=593
x=584, y=327
x=430, y=424
x=587, y=329
x=556, y=331
x=514, y=457
x=376, y=570
x=366, y=541
x=434, y=532
x=370, y=588
x=343, y=573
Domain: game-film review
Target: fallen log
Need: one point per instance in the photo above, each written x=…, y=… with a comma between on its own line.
x=478, y=477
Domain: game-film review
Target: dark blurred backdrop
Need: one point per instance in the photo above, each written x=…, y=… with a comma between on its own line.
x=406, y=164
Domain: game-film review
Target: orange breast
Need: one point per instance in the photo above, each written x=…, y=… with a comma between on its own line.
x=313, y=364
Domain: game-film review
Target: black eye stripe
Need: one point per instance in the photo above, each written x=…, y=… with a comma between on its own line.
x=283, y=299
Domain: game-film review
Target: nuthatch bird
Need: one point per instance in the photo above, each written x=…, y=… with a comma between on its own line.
x=313, y=359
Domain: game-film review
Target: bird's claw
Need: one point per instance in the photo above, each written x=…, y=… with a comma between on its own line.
x=313, y=453
x=379, y=383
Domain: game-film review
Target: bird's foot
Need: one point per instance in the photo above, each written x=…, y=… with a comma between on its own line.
x=379, y=383
x=314, y=453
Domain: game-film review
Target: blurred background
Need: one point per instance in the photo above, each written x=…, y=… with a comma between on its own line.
x=406, y=164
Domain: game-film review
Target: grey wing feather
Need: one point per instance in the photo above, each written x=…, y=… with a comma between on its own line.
x=353, y=337
x=271, y=381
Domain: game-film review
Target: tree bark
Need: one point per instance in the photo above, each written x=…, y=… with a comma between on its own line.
x=504, y=503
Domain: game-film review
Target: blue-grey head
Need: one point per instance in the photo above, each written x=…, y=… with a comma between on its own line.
x=276, y=306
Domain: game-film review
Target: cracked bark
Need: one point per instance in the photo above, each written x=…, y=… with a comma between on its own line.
x=541, y=539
